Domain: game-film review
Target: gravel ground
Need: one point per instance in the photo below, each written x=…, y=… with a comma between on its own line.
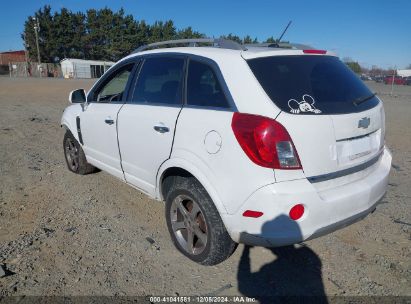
x=64, y=234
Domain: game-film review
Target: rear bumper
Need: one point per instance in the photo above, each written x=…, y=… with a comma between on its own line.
x=325, y=211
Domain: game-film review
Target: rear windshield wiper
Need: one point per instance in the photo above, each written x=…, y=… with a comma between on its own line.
x=360, y=100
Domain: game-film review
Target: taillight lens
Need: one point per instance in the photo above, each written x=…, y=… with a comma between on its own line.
x=265, y=141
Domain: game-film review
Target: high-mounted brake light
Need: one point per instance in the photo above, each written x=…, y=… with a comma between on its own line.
x=265, y=141
x=314, y=52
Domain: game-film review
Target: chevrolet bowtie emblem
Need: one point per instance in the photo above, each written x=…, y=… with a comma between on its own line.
x=364, y=122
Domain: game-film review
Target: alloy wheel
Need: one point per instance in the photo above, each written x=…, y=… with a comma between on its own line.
x=188, y=224
x=72, y=154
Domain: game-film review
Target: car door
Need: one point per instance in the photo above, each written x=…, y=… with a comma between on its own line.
x=146, y=123
x=98, y=121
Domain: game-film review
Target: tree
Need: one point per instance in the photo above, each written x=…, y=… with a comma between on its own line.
x=232, y=37
x=355, y=66
x=162, y=31
x=248, y=40
x=188, y=33
x=347, y=59
x=68, y=32
x=270, y=40
x=95, y=39
x=99, y=34
x=45, y=34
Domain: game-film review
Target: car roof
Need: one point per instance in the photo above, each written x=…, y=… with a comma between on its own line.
x=217, y=53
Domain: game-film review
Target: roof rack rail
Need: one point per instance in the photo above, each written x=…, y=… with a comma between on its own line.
x=218, y=42
x=281, y=45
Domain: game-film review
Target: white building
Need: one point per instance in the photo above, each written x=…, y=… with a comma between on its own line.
x=404, y=73
x=79, y=68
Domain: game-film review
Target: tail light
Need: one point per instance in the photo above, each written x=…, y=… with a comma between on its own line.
x=265, y=141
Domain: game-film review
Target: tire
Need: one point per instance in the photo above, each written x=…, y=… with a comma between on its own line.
x=211, y=243
x=75, y=158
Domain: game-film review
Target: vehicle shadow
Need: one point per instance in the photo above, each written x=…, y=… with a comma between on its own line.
x=295, y=274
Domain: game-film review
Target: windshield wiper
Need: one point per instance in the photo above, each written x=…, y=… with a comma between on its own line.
x=360, y=100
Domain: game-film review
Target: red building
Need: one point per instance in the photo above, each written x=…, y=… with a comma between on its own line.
x=12, y=56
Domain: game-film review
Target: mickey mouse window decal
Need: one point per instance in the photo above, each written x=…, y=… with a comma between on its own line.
x=303, y=106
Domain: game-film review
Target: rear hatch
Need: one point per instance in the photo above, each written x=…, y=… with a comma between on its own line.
x=334, y=120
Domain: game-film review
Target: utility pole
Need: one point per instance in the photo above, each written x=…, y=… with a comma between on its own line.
x=26, y=55
x=36, y=31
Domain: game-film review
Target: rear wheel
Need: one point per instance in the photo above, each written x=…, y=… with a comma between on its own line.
x=75, y=157
x=194, y=223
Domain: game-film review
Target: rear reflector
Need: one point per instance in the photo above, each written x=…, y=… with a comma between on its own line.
x=314, y=52
x=296, y=212
x=252, y=213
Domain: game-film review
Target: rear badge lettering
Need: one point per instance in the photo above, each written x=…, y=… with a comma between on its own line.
x=304, y=106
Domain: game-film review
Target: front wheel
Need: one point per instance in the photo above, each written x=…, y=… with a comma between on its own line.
x=75, y=157
x=194, y=223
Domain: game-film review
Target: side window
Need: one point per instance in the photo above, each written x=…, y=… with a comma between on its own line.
x=113, y=89
x=203, y=88
x=160, y=81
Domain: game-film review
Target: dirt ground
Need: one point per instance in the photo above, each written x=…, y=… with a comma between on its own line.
x=64, y=234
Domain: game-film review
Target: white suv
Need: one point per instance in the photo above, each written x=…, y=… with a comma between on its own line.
x=266, y=145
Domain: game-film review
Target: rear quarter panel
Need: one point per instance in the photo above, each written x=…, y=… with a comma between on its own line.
x=199, y=133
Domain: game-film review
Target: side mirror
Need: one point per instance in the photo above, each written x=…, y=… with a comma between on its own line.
x=77, y=96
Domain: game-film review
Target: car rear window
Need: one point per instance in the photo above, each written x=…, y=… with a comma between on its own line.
x=311, y=84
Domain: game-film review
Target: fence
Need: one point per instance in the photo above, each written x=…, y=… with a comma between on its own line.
x=34, y=69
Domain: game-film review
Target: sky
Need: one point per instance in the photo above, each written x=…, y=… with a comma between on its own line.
x=372, y=32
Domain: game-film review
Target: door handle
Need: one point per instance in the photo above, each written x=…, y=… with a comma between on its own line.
x=109, y=121
x=161, y=129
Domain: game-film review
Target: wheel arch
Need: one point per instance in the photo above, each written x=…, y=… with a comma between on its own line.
x=68, y=120
x=180, y=167
x=68, y=127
